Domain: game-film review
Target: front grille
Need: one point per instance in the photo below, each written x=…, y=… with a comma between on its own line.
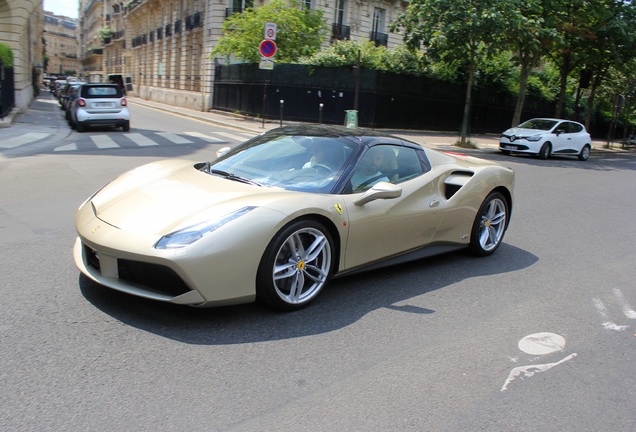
x=153, y=276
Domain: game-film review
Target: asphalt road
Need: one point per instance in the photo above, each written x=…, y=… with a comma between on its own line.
x=435, y=345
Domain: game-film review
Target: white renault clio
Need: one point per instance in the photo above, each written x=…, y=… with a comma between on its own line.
x=545, y=137
x=99, y=105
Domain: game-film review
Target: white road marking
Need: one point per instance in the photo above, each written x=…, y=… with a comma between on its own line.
x=542, y=343
x=104, y=141
x=231, y=136
x=602, y=310
x=24, y=139
x=68, y=147
x=528, y=371
x=203, y=136
x=627, y=310
x=174, y=138
x=140, y=140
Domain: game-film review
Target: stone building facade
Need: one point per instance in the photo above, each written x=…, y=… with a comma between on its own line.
x=21, y=28
x=164, y=46
x=91, y=13
x=62, y=44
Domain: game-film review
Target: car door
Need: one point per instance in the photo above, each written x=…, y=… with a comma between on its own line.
x=386, y=227
x=570, y=140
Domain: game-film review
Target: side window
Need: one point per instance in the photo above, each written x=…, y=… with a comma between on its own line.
x=388, y=163
x=575, y=128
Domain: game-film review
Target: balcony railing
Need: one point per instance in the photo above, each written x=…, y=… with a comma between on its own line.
x=380, y=39
x=231, y=11
x=340, y=31
x=93, y=51
x=194, y=21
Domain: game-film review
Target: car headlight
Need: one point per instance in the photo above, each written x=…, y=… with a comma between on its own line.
x=189, y=235
x=534, y=138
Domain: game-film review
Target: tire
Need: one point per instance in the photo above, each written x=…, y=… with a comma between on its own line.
x=585, y=152
x=506, y=152
x=490, y=225
x=80, y=127
x=126, y=126
x=545, y=151
x=296, y=266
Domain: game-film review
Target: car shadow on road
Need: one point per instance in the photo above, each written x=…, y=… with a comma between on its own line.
x=343, y=302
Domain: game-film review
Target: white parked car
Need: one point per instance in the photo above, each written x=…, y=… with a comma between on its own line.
x=545, y=137
x=99, y=105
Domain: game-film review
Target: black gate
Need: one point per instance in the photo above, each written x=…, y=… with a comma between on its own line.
x=7, y=91
x=385, y=100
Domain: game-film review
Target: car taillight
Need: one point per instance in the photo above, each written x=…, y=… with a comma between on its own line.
x=81, y=102
x=123, y=102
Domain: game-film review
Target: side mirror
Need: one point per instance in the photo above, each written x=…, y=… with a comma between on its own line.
x=559, y=132
x=220, y=152
x=381, y=190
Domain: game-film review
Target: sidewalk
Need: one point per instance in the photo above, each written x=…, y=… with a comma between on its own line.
x=43, y=118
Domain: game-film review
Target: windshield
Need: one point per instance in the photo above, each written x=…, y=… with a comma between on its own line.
x=292, y=162
x=538, y=124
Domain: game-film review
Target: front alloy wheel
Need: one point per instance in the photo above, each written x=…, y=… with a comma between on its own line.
x=490, y=225
x=296, y=266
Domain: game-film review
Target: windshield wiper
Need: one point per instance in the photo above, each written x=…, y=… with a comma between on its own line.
x=233, y=177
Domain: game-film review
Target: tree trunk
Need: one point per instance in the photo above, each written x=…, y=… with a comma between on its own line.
x=524, y=73
x=469, y=91
x=565, y=70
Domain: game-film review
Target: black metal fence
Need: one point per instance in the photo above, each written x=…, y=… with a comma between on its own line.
x=385, y=100
x=7, y=91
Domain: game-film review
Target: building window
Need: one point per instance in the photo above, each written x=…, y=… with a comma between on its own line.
x=378, y=34
x=340, y=11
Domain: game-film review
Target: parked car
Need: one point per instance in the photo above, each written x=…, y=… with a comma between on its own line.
x=276, y=217
x=99, y=105
x=66, y=95
x=545, y=137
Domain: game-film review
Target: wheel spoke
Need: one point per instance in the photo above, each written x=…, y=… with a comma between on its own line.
x=315, y=249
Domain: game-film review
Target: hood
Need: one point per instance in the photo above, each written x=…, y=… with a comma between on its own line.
x=164, y=196
x=522, y=132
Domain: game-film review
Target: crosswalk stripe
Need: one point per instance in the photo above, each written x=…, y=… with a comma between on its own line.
x=174, y=138
x=230, y=136
x=68, y=147
x=24, y=139
x=140, y=140
x=203, y=136
x=104, y=141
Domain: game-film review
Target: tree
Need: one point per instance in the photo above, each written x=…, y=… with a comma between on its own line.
x=300, y=32
x=456, y=30
x=526, y=35
x=614, y=49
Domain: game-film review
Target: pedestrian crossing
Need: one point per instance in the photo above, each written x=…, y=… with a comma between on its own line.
x=151, y=139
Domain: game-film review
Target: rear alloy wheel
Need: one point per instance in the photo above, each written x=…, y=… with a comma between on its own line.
x=296, y=266
x=545, y=151
x=490, y=225
x=585, y=153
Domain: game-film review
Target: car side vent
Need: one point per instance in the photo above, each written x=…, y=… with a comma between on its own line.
x=455, y=182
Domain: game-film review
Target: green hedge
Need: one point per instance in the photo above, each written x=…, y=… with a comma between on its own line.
x=6, y=55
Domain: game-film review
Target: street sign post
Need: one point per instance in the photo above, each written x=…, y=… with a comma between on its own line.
x=267, y=48
x=270, y=31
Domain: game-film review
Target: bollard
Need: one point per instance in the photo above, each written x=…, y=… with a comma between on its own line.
x=351, y=119
x=321, y=106
x=282, y=103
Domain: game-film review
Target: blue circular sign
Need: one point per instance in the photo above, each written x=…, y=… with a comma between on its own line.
x=267, y=48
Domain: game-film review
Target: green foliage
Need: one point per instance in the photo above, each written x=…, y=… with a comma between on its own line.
x=345, y=53
x=300, y=32
x=6, y=55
